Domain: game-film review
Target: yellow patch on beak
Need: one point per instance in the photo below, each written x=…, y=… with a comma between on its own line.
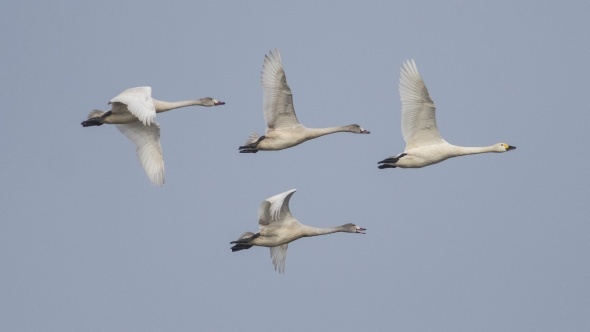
x=508, y=147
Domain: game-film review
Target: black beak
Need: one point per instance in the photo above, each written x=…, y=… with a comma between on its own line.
x=510, y=147
x=219, y=103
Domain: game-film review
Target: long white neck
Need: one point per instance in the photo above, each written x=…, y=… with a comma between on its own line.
x=314, y=231
x=163, y=106
x=465, y=150
x=317, y=132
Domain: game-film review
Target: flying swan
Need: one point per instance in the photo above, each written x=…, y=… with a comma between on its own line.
x=283, y=130
x=424, y=145
x=278, y=228
x=133, y=112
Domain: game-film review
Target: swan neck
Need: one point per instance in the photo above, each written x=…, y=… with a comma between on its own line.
x=164, y=106
x=466, y=150
x=317, y=132
x=314, y=231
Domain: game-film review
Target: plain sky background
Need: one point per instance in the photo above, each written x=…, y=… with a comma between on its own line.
x=495, y=242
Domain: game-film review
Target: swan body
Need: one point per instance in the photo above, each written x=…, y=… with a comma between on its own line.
x=424, y=145
x=278, y=228
x=133, y=112
x=283, y=130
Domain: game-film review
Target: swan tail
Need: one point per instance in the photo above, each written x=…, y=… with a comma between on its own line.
x=242, y=242
x=94, y=119
x=251, y=143
x=252, y=139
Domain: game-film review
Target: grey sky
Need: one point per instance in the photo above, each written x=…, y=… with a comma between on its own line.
x=495, y=242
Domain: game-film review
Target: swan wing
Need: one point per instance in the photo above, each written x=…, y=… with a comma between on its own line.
x=139, y=102
x=277, y=96
x=278, y=255
x=275, y=209
x=418, y=118
x=279, y=205
x=264, y=214
x=149, y=151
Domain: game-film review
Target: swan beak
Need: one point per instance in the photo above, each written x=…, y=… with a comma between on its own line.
x=361, y=230
x=510, y=147
x=365, y=131
x=217, y=103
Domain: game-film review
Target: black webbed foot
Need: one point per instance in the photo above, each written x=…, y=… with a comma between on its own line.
x=251, y=148
x=391, y=160
x=246, y=240
x=240, y=246
x=92, y=122
x=248, y=150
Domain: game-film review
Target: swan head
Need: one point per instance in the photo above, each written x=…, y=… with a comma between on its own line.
x=503, y=147
x=208, y=101
x=352, y=228
x=358, y=129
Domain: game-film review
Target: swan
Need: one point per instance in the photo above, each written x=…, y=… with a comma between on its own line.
x=424, y=145
x=283, y=130
x=133, y=112
x=278, y=228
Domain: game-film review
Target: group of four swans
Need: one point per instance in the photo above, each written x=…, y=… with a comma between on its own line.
x=134, y=110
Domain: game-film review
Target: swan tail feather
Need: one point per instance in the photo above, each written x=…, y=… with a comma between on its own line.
x=252, y=139
x=95, y=114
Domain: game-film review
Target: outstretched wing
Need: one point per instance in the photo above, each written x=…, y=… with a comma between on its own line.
x=278, y=255
x=149, y=151
x=275, y=208
x=279, y=205
x=264, y=214
x=139, y=102
x=418, y=117
x=277, y=96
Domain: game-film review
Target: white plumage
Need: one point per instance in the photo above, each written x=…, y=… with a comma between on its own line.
x=424, y=145
x=283, y=130
x=277, y=228
x=133, y=112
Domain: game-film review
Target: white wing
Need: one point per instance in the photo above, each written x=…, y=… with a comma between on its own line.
x=149, y=151
x=279, y=205
x=275, y=208
x=139, y=102
x=277, y=96
x=278, y=255
x=264, y=214
x=418, y=118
